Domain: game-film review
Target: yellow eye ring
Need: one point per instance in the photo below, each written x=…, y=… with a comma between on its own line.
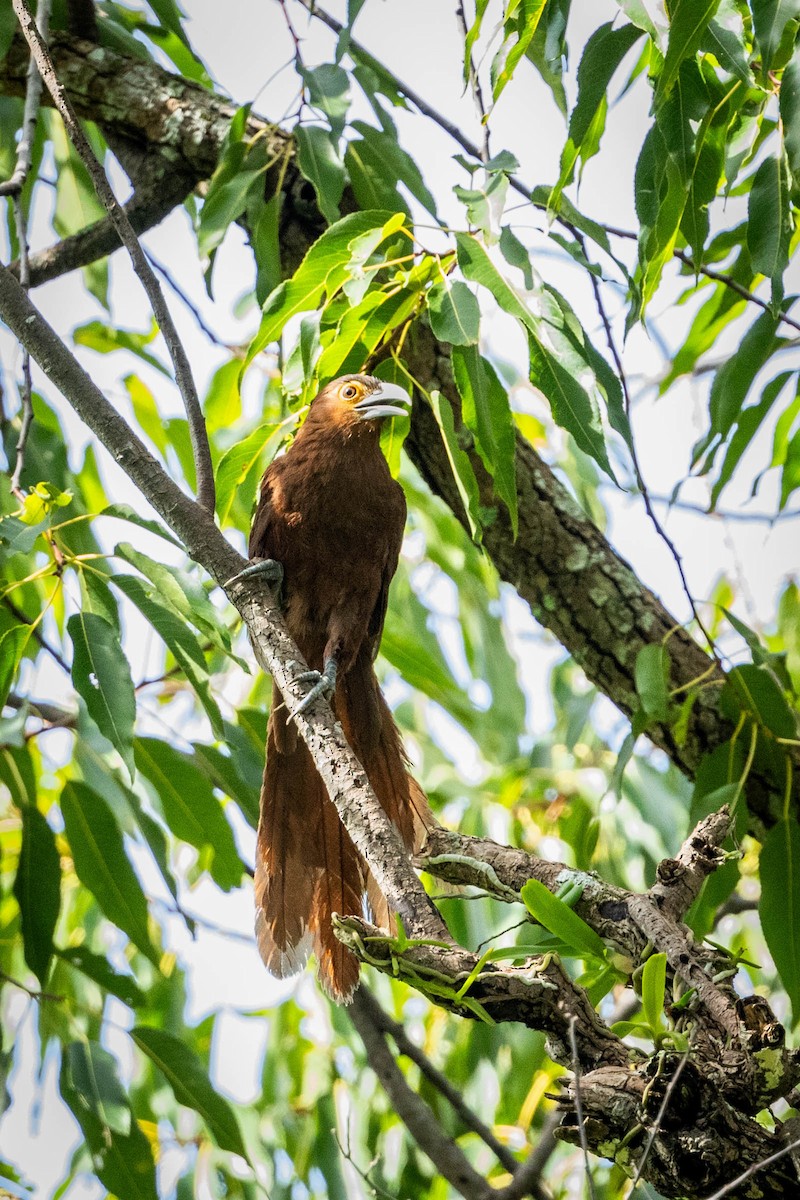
x=350, y=391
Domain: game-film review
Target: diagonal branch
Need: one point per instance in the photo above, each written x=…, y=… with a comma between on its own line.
x=340, y=770
x=448, y=1158
x=183, y=372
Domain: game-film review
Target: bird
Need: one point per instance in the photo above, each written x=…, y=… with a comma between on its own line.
x=327, y=532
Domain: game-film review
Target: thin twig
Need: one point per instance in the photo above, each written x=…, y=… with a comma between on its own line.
x=576, y=1071
x=193, y=309
x=418, y=1117
x=734, y=285
x=180, y=361
x=659, y=528
x=439, y=1080
x=726, y=514
x=527, y=1179
x=13, y=188
x=668, y=1094
x=38, y=636
x=475, y=85
x=756, y=1167
x=33, y=93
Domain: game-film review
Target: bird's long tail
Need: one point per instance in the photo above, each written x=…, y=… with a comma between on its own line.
x=307, y=867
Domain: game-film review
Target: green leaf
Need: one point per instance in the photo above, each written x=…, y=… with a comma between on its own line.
x=755, y=691
x=237, y=463
x=602, y=55
x=688, y=22
x=548, y=48
x=190, y=808
x=779, y=907
x=93, y=1074
x=123, y=1162
x=189, y=1081
x=733, y=380
x=105, y=339
x=381, y=148
x=454, y=313
x=320, y=162
x=225, y=202
x=487, y=414
x=520, y=31
x=775, y=24
x=184, y=592
x=102, y=865
x=654, y=982
x=12, y=648
x=101, y=675
x=145, y=410
x=561, y=920
x=124, y=512
x=748, y=423
x=571, y=405
x=790, y=115
x=652, y=680
x=460, y=465
x=324, y=269
x=37, y=890
x=769, y=224
x=98, y=969
x=178, y=638
x=329, y=91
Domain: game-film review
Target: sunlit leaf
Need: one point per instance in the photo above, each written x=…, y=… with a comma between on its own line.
x=779, y=907
x=560, y=919
x=102, y=677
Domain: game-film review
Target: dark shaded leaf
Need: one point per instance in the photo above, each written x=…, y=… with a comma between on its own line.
x=454, y=313
x=98, y=969
x=102, y=865
x=459, y=463
x=487, y=414
x=779, y=907
x=319, y=160
x=37, y=890
x=189, y=1081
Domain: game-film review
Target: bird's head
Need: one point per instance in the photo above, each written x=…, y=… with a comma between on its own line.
x=359, y=401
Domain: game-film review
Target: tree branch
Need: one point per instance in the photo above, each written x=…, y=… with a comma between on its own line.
x=340, y=770
x=183, y=372
x=448, y=1158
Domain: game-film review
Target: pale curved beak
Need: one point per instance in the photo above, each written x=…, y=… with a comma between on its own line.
x=389, y=400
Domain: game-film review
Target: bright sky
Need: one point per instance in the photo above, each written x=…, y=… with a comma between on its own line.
x=244, y=43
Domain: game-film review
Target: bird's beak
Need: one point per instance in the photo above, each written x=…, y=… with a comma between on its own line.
x=388, y=400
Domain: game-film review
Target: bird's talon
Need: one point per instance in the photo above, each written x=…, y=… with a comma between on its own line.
x=324, y=685
x=269, y=568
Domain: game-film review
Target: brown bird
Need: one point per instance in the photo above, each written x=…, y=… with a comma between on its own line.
x=331, y=516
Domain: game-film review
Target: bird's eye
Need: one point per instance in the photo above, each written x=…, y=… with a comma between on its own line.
x=350, y=392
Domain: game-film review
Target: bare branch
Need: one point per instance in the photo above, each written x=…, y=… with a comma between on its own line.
x=420, y=1120
x=576, y=1091
x=382, y=1021
x=33, y=93
x=180, y=361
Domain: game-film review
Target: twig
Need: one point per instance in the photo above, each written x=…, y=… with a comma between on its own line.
x=420, y=1120
x=527, y=1177
x=729, y=281
x=726, y=514
x=183, y=373
x=576, y=1070
x=33, y=92
x=13, y=188
x=668, y=1094
x=38, y=636
x=298, y=57
x=756, y=1167
x=475, y=85
x=193, y=309
x=381, y=1019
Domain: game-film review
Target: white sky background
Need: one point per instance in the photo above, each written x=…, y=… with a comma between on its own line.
x=243, y=43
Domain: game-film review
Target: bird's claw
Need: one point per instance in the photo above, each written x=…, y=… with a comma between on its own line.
x=268, y=568
x=324, y=682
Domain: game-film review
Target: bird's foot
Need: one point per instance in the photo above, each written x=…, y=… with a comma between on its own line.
x=324, y=684
x=268, y=568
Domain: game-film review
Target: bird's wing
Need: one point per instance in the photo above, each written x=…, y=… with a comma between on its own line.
x=263, y=530
x=395, y=525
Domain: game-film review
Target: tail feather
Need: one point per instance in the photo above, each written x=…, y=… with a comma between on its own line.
x=307, y=867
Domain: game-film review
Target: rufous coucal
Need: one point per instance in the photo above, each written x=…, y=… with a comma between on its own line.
x=332, y=517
